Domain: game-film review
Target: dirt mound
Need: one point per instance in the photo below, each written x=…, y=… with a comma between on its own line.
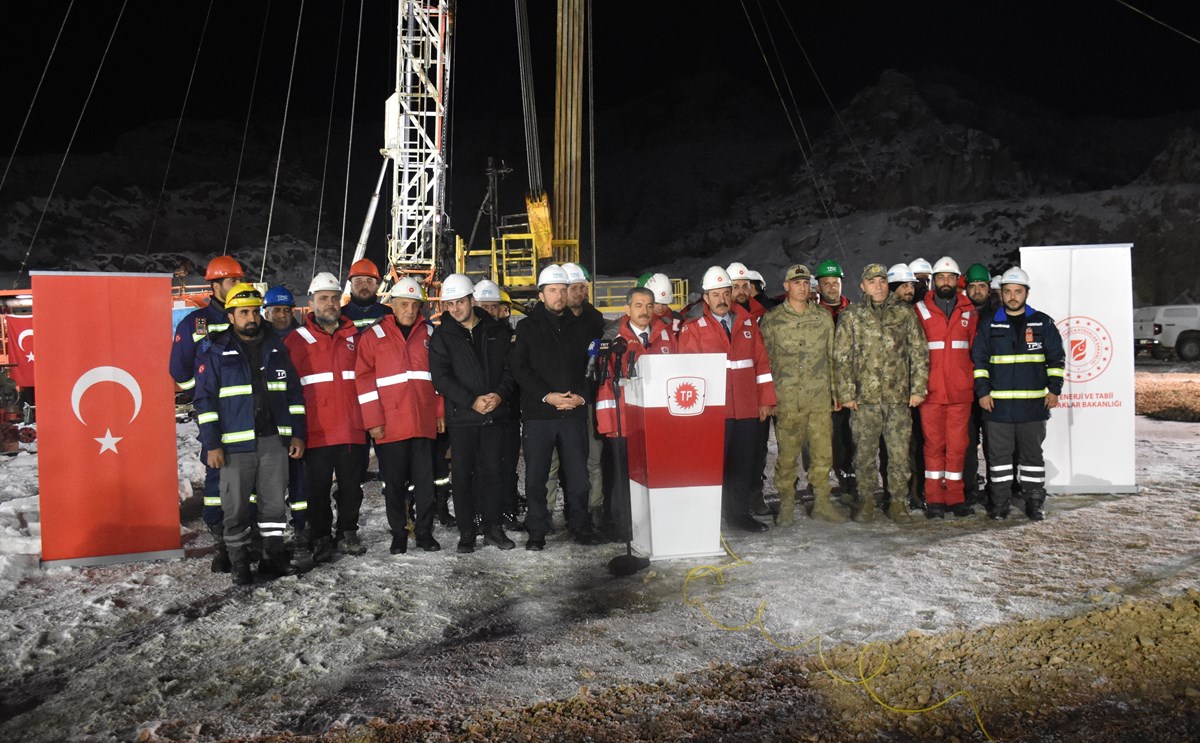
x=1168, y=397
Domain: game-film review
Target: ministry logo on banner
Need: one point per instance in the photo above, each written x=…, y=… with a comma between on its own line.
x=1089, y=347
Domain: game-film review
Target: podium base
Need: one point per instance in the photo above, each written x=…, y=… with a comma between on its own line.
x=671, y=523
x=115, y=559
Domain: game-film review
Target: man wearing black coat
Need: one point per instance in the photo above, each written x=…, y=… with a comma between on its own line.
x=468, y=361
x=549, y=362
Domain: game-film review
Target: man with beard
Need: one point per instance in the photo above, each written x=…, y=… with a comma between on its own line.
x=922, y=270
x=1019, y=367
x=743, y=292
x=252, y=419
x=903, y=283
x=949, y=319
x=549, y=362
x=467, y=357
x=881, y=371
x=750, y=392
x=364, y=307
x=829, y=295
x=979, y=291
x=323, y=352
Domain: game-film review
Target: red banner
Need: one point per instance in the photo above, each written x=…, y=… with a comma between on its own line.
x=107, y=462
x=20, y=348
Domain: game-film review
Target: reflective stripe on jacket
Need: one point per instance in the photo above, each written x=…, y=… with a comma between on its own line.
x=191, y=339
x=1018, y=368
x=951, y=371
x=395, y=386
x=325, y=364
x=749, y=384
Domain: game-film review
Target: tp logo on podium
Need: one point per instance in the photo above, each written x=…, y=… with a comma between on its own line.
x=685, y=395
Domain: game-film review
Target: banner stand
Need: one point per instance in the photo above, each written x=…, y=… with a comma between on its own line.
x=82, y=562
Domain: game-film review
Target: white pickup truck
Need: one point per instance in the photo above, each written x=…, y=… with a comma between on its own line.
x=1166, y=328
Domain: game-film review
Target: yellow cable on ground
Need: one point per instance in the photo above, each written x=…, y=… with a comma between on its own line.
x=718, y=574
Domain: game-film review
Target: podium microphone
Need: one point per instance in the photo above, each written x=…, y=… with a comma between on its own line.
x=593, y=353
x=617, y=348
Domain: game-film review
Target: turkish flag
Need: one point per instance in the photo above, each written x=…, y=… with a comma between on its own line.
x=108, y=476
x=20, y=348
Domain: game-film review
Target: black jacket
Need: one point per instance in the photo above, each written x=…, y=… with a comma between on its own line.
x=1017, y=361
x=550, y=355
x=466, y=364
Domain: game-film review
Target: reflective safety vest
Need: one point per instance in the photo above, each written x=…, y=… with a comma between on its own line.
x=191, y=339
x=748, y=381
x=951, y=371
x=325, y=364
x=225, y=394
x=1018, y=365
x=395, y=386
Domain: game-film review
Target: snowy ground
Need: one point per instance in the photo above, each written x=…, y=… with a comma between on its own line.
x=106, y=652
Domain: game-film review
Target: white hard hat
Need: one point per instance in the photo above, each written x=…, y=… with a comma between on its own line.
x=1015, y=275
x=553, y=274
x=324, y=282
x=456, y=286
x=487, y=291
x=661, y=286
x=575, y=273
x=756, y=276
x=716, y=278
x=407, y=288
x=902, y=273
x=946, y=264
x=737, y=271
x=921, y=265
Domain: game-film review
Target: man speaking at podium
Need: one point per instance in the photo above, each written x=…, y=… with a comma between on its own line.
x=750, y=392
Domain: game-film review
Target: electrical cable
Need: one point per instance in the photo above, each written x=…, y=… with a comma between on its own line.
x=75, y=131
x=591, y=139
x=246, y=128
x=178, y=127
x=1165, y=25
x=350, y=141
x=36, y=91
x=282, y=131
x=337, y=58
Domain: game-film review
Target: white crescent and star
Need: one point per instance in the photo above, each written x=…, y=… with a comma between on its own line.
x=21, y=343
x=94, y=376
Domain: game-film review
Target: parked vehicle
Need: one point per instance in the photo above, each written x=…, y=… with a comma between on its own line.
x=1167, y=328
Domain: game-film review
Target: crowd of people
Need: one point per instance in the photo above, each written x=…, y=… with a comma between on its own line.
x=904, y=382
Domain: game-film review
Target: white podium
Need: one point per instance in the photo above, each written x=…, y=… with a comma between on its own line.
x=675, y=427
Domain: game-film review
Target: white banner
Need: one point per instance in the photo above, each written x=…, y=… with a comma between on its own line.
x=1090, y=437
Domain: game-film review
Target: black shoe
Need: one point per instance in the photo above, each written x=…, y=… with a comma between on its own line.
x=998, y=515
x=399, y=543
x=241, y=573
x=220, y=561
x=586, y=537
x=302, y=560
x=322, y=550
x=496, y=537
x=746, y=523
x=466, y=545
x=1034, y=511
x=446, y=518
x=962, y=510
x=535, y=544
x=350, y=544
x=935, y=511
x=429, y=544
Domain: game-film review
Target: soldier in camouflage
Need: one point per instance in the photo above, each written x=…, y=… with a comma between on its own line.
x=799, y=340
x=881, y=369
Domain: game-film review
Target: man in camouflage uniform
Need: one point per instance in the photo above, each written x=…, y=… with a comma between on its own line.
x=881, y=368
x=799, y=340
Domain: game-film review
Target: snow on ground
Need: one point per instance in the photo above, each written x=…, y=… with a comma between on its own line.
x=169, y=647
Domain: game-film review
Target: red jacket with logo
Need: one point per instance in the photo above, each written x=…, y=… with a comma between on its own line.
x=395, y=387
x=951, y=371
x=662, y=341
x=748, y=377
x=325, y=363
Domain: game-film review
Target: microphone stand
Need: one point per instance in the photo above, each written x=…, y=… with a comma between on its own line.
x=628, y=563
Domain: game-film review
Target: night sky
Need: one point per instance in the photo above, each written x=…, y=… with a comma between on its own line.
x=1079, y=57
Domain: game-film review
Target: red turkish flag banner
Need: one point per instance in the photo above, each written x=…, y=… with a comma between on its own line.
x=19, y=331
x=107, y=460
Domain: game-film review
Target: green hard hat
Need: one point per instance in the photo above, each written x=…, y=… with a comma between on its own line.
x=641, y=280
x=978, y=272
x=829, y=268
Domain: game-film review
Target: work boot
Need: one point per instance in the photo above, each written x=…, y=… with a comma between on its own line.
x=322, y=549
x=220, y=561
x=466, y=541
x=864, y=509
x=1034, y=509
x=399, y=542
x=274, y=562
x=496, y=537
x=302, y=552
x=747, y=523
x=350, y=544
x=758, y=504
x=898, y=512
x=935, y=511
x=962, y=510
x=825, y=510
x=586, y=537
x=442, y=496
x=428, y=543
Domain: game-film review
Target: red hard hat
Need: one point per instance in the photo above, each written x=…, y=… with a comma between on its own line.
x=365, y=267
x=223, y=267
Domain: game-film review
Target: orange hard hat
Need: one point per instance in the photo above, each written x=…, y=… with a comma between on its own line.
x=223, y=267
x=365, y=267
